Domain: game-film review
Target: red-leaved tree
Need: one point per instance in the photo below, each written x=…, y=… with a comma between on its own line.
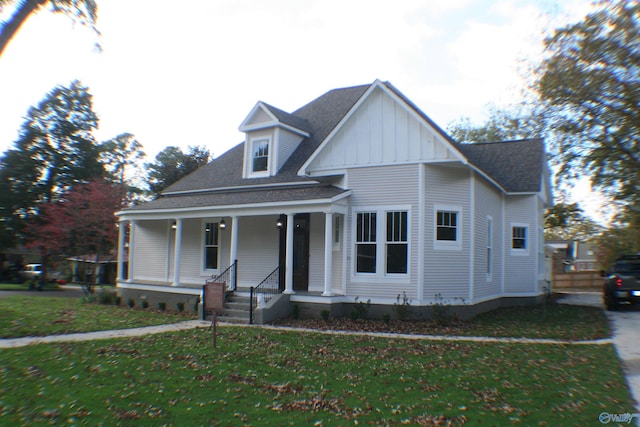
x=81, y=222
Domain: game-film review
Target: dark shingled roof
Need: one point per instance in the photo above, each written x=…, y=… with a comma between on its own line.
x=243, y=197
x=517, y=166
x=320, y=116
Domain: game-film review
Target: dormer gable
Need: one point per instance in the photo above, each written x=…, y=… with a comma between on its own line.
x=271, y=136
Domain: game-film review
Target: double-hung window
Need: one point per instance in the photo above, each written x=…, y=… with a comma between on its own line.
x=211, y=246
x=366, y=247
x=260, y=155
x=397, y=243
x=448, y=232
x=382, y=242
x=519, y=237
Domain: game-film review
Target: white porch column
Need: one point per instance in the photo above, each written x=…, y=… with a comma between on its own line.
x=328, y=253
x=288, y=280
x=233, y=251
x=122, y=231
x=132, y=245
x=177, y=253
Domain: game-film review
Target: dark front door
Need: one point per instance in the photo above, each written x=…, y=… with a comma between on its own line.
x=301, y=252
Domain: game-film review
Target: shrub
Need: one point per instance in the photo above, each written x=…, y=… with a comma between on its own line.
x=386, y=318
x=360, y=310
x=117, y=301
x=180, y=306
x=325, y=315
x=162, y=306
x=402, y=307
x=106, y=297
x=195, y=306
x=145, y=304
x=131, y=303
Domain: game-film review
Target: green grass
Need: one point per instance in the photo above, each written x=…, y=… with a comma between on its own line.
x=264, y=377
x=34, y=315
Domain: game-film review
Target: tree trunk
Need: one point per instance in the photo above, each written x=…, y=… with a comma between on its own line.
x=10, y=28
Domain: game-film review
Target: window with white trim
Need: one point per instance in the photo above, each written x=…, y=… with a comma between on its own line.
x=211, y=246
x=519, y=237
x=260, y=155
x=447, y=227
x=382, y=242
x=366, y=247
x=397, y=242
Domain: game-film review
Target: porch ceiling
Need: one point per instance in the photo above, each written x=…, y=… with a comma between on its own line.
x=239, y=199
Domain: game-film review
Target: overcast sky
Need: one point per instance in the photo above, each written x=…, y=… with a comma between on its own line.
x=188, y=73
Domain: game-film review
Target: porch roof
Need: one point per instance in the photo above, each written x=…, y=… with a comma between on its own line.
x=224, y=200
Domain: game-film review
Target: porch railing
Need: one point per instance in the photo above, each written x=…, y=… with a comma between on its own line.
x=261, y=294
x=229, y=277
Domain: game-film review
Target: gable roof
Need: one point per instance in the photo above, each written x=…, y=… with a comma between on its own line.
x=516, y=165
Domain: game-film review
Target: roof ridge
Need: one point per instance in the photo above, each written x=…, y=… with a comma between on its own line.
x=507, y=141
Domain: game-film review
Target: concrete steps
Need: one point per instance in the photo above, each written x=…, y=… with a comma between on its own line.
x=236, y=309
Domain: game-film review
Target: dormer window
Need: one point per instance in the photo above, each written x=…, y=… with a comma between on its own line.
x=260, y=155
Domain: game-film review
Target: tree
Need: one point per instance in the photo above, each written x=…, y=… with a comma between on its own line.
x=119, y=155
x=171, y=164
x=521, y=122
x=83, y=11
x=590, y=81
x=81, y=222
x=54, y=151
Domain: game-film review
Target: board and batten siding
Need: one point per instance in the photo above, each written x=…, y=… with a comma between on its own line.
x=446, y=272
x=316, y=252
x=381, y=188
x=520, y=268
x=488, y=204
x=151, y=251
x=382, y=131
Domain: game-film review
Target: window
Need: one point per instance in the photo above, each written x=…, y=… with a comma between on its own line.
x=382, y=243
x=519, y=237
x=489, y=246
x=211, y=246
x=260, y=155
x=397, y=242
x=366, y=242
x=447, y=226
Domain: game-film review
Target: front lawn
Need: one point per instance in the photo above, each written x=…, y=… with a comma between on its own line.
x=266, y=377
x=34, y=315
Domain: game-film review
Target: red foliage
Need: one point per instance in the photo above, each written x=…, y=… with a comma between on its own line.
x=83, y=221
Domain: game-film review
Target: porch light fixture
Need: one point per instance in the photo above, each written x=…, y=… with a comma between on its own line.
x=280, y=222
x=173, y=224
x=222, y=225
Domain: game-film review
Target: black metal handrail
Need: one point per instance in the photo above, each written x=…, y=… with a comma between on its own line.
x=228, y=276
x=265, y=290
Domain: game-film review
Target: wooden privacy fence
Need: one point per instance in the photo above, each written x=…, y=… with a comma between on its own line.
x=591, y=280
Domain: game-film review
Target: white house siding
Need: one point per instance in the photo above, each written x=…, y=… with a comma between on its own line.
x=446, y=272
x=520, y=269
x=316, y=252
x=488, y=203
x=258, y=246
x=287, y=142
x=381, y=132
x=151, y=251
x=383, y=187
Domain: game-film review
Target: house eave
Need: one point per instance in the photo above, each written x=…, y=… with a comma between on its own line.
x=240, y=188
x=226, y=210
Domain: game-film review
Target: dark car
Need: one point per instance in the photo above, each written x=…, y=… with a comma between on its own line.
x=623, y=282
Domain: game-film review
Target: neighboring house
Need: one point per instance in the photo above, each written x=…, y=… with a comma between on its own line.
x=372, y=200
x=574, y=255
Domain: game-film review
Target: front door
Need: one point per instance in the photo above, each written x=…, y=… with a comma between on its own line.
x=301, y=252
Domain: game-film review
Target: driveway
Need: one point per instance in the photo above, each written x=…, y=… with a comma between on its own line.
x=625, y=323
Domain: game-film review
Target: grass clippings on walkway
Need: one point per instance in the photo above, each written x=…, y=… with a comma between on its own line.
x=266, y=377
x=24, y=316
